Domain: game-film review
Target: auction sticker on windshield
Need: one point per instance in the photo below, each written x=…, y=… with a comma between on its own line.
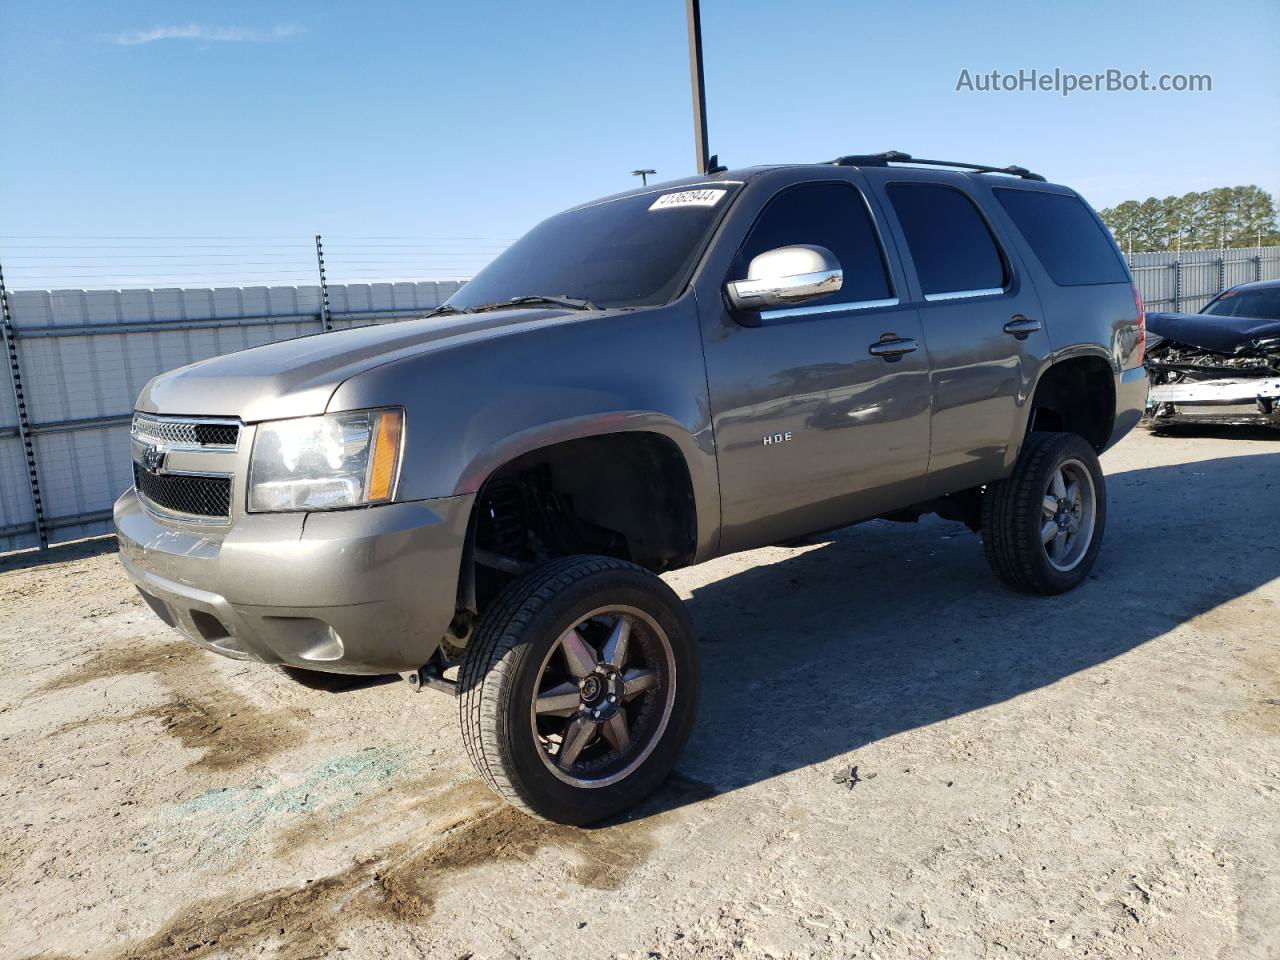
x=688, y=198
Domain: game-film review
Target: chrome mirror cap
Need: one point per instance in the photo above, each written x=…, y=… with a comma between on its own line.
x=786, y=276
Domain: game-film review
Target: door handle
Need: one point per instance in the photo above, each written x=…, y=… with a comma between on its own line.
x=1021, y=327
x=892, y=350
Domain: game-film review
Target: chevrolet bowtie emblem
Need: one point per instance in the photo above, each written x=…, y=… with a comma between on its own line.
x=153, y=457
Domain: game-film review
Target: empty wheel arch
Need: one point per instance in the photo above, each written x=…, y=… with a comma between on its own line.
x=1076, y=396
x=624, y=495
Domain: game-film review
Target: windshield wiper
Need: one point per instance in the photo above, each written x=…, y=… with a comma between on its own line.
x=571, y=303
x=445, y=309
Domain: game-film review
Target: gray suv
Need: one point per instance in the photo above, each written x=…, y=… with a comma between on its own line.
x=481, y=499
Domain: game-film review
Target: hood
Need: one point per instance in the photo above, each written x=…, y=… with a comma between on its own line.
x=296, y=378
x=1208, y=332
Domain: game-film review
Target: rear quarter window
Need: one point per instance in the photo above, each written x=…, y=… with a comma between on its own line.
x=1071, y=245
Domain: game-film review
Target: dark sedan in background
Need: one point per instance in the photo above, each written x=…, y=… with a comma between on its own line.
x=1221, y=365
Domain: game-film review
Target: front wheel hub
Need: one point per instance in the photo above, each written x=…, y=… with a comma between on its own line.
x=592, y=688
x=602, y=694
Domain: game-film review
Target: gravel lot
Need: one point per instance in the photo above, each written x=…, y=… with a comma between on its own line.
x=1094, y=775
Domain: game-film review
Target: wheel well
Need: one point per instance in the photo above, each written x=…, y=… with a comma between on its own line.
x=625, y=495
x=1076, y=396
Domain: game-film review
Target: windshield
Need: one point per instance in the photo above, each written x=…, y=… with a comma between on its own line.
x=631, y=252
x=1262, y=303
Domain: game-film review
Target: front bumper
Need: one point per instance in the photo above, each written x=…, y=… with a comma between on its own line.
x=366, y=591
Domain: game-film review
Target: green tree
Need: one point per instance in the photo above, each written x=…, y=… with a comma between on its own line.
x=1149, y=232
x=1190, y=213
x=1220, y=217
x=1255, y=218
x=1122, y=219
x=1234, y=216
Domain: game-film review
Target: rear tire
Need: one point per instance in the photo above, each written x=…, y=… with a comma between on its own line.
x=579, y=689
x=1043, y=525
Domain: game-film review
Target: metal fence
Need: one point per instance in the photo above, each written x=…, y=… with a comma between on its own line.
x=1185, y=282
x=75, y=360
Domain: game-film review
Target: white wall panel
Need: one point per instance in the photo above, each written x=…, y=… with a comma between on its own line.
x=93, y=374
x=15, y=495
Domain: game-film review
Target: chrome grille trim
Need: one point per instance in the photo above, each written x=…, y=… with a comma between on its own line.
x=212, y=434
x=196, y=497
x=180, y=468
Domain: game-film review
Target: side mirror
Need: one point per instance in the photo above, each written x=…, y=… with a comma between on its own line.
x=786, y=276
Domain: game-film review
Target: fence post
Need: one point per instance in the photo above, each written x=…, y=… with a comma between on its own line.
x=1257, y=266
x=325, y=323
x=1177, y=283
x=1222, y=269
x=24, y=422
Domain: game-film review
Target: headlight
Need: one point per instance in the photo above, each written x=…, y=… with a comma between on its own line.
x=325, y=463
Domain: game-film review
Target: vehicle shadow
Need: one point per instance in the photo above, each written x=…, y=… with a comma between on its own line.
x=58, y=553
x=890, y=627
x=1217, y=431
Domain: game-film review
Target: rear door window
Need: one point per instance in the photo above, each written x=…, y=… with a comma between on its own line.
x=1070, y=244
x=831, y=215
x=951, y=245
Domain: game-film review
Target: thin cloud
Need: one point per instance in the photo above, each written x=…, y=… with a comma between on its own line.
x=197, y=31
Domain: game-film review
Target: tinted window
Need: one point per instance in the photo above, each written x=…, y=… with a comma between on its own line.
x=949, y=242
x=633, y=251
x=1072, y=246
x=1262, y=303
x=831, y=215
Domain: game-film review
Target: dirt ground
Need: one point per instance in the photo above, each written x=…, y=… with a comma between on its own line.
x=1093, y=775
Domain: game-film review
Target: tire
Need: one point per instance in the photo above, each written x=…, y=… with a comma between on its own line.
x=519, y=666
x=1016, y=515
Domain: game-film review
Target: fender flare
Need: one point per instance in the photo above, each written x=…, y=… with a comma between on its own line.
x=1058, y=357
x=696, y=450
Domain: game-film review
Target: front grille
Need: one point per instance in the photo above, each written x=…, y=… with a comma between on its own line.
x=196, y=496
x=217, y=434
x=200, y=434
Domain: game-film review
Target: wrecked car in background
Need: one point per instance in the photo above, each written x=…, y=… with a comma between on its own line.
x=1221, y=365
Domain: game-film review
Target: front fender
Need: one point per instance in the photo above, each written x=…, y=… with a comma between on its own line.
x=698, y=459
x=472, y=407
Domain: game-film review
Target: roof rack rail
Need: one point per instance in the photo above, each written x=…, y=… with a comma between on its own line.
x=897, y=156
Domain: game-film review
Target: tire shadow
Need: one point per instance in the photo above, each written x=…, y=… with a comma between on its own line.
x=889, y=627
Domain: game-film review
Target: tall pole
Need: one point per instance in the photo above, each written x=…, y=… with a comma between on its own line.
x=702, y=157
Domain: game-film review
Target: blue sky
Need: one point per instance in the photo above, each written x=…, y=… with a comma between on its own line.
x=433, y=121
